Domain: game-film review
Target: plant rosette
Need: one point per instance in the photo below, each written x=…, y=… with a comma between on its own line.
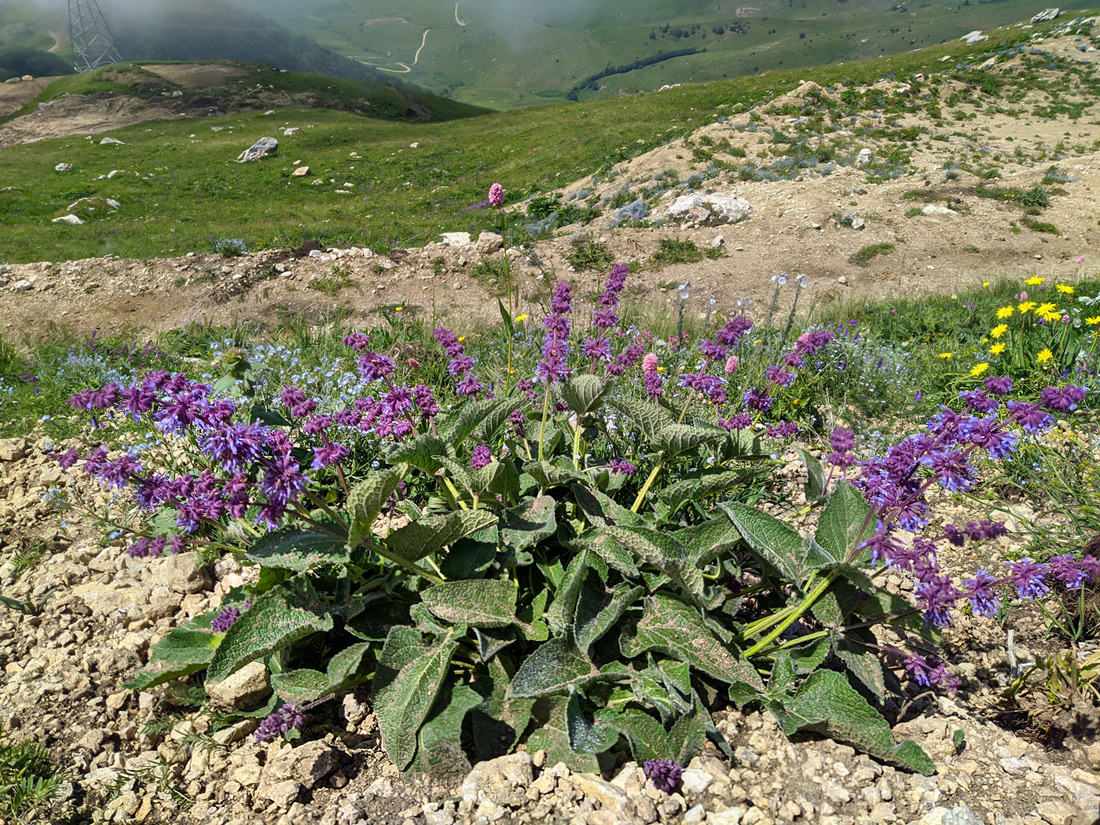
x=579, y=566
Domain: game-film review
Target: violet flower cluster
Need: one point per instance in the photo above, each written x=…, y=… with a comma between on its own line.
x=552, y=366
x=665, y=774
x=461, y=365
x=896, y=485
x=287, y=718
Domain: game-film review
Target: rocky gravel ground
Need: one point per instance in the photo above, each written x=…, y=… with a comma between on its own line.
x=157, y=757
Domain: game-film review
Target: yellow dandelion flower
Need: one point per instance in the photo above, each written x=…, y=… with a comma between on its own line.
x=1034, y=281
x=979, y=369
x=1093, y=321
x=947, y=356
x=1046, y=308
x=520, y=318
x=997, y=349
x=1026, y=307
x=985, y=283
x=1044, y=356
x=1065, y=289
x=461, y=338
x=1005, y=312
x=1051, y=316
x=998, y=330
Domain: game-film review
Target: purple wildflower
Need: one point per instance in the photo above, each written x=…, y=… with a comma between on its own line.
x=998, y=384
x=480, y=457
x=287, y=718
x=665, y=774
x=623, y=467
x=1027, y=577
x=225, y=619
x=984, y=600
x=496, y=195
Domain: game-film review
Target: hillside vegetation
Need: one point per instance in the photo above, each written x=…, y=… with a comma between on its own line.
x=523, y=52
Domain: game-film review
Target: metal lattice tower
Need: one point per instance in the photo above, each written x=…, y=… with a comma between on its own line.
x=93, y=45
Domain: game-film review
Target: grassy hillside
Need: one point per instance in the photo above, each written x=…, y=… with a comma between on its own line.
x=371, y=182
x=522, y=52
x=257, y=86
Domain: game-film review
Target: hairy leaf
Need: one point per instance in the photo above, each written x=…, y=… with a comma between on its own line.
x=646, y=417
x=861, y=663
x=181, y=652
x=476, y=602
x=429, y=535
x=844, y=517
x=272, y=623
x=548, y=475
x=827, y=704
x=464, y=421
x=440, y=747
x=410, y=671
x=815, y=476
x=645, y=734
x=420, y=452
x=552, y=736
x=776, y=543
x=301, y=686
x=552, y=668
x=587, y=735
x=599, y=610
x=298, y=550
x=528, y=523
x=694, y=489
x=676, y=439
x=584, y=393
x=663, y=552
x=367, y=498
x=709, y=540
x=675, y=628
x=345, y=668
x=688, y=734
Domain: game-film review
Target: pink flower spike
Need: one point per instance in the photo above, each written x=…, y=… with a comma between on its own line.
x=496, y=195
x=1081, y=260
x=731, y=365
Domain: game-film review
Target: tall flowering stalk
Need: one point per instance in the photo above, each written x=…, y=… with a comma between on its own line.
x=553, y=365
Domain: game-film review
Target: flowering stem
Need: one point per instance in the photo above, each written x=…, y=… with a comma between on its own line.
x=545, y=412
x=789, y=616
x=645, y=487
x=577, y=445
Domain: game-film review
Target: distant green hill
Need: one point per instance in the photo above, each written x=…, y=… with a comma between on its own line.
x=508, y=53
x=251, y=86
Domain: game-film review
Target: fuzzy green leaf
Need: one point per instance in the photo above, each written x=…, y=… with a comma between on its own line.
x=584, y=393
x=553, y=667
x=709, y=540
x=598, y=610
x=587, y=735
x=663, y=552
x=676, y=629
x=298, y=550
x=429, y=535
x=776, y=543
x=815, y=476
x=844, y=517
x=827, y=704
x=548, y=475
x=676, y=439
x=528, y=523
x=440, y=748
x=301, y=686
x=420, y=452
x=688, y=734
x=272, y=623
x=181, y=652
x=480, y=419
x=476, y=602
x=410, y=671
x=611, y=552
x=865, y=666
x=345, y=668
x=645, y=734
x=694, y=489
x=367, y=498
x=645, y=416
x=552, y=736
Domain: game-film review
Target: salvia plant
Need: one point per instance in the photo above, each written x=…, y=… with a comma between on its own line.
x=580, y=564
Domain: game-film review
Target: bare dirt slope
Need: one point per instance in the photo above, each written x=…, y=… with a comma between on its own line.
x=922, y=201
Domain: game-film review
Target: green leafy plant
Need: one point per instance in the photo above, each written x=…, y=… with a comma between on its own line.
x=29, y=778
x=677, y=251
x=865, y=254
x=581, y=565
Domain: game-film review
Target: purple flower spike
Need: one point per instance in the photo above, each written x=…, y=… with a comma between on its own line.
x=496, y=195
x=225, y=620
x=1027, y=576
x=287, y=718
x=665, y=774
x=480, y=457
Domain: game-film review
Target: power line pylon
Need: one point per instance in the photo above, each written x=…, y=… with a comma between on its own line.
x=93, y=45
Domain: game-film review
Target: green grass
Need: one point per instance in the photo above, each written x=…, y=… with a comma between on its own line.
x=539, y=54
x=677, y=251
x=864, y=255
x=29, y=777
